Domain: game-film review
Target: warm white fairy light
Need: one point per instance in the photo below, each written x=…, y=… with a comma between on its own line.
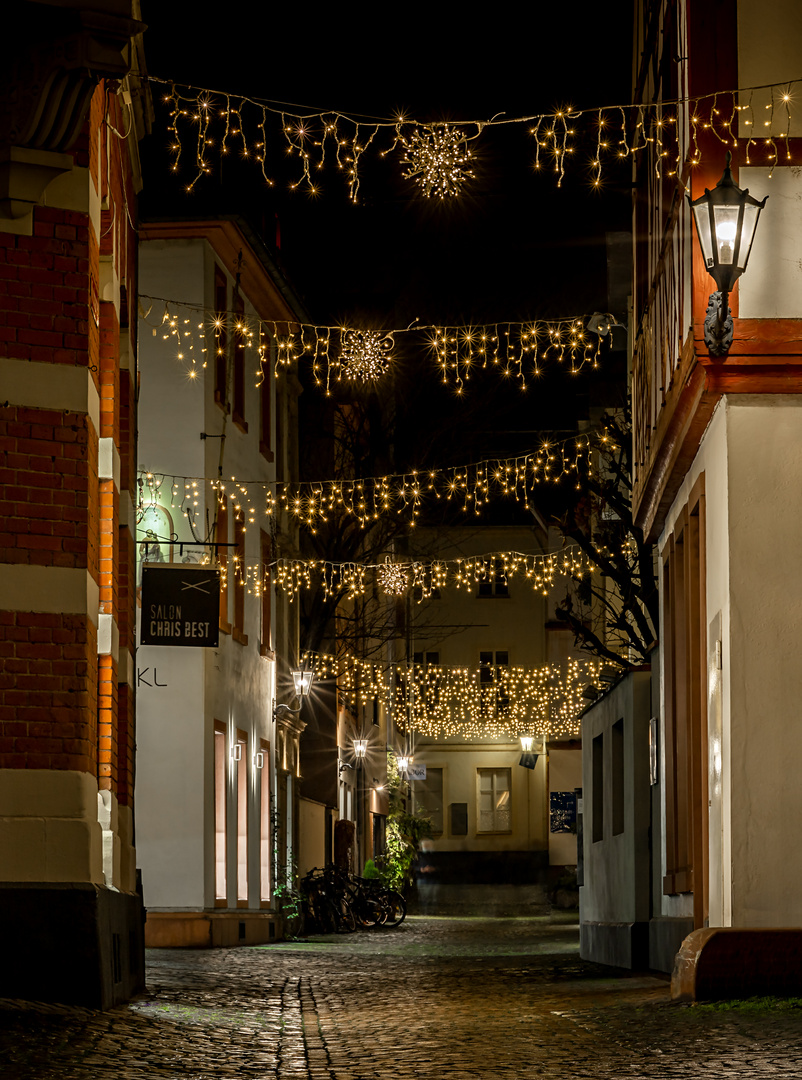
x=437, y=158
x=438, y=701
x=470, y=487
x=204, y=124
x=364, y=355
x=519, y=350
x=393, y=578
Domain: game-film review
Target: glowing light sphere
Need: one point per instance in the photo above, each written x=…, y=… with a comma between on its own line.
x=393, y=578
x=364, y=355
x=437, y=158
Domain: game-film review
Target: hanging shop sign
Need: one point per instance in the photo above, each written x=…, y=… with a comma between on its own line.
x=416, y=772
x=180, y=606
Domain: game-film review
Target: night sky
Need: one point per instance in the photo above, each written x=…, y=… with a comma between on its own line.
x=513, y=247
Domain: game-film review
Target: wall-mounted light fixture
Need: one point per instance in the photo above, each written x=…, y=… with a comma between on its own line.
x=342, y=766
x=377, y=784
x=528, y=758
x=403, y=764
x=236, y=751
x=360, y=748
x=259, y=759
x=726, y=220
x=302, y=681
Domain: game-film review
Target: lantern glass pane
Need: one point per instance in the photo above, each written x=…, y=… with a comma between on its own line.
x=726, y=218
x=751, y=214
x=303, y=682
x=702, y=217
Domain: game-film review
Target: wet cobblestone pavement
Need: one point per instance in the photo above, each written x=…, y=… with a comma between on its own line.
x=435, y=998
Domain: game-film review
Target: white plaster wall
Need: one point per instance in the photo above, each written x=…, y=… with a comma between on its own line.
x=565, y=774
x=771, y=287
x=769, y=47
x=765, y=737
x=751, y=455
x=170, y=798
x=171, y=407
x=232, y=683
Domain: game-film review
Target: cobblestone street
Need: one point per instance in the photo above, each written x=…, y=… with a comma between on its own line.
x=453, y=998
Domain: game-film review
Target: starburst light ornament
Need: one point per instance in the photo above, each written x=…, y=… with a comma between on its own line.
x=392, y=577
x=437, y=157
x=364, y=355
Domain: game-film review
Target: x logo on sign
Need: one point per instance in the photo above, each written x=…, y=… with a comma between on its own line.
x=201, y=586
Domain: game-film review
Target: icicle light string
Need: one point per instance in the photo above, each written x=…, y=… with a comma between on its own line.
x=346, y=354
x=485, y=702
x=313, y=503
x=205, y=123
x=396, y=577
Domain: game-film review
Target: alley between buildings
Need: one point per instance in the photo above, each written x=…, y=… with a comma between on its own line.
x=436, y=998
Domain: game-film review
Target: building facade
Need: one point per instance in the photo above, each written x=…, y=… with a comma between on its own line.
x=72, y=110
x=494, y=820
x=717, y=464
x=219, y=726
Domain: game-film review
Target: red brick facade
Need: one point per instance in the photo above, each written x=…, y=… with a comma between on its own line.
x=60, y=290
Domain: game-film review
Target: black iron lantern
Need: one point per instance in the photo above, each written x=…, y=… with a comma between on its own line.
x=726, y=220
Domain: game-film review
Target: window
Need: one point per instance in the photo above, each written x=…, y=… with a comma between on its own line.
x=618, y=777
x=497, y=583
x=427, y=659
x=597, y=825
x=427, y=798
x=219, y=814
x=264, y=821
x=242, y=819
x=265, y=394
x=238, y=361
x=493, y=686
x=220, y=337
x=221, y=537
x=238, y=580
x=266, y=643
x=493, y=810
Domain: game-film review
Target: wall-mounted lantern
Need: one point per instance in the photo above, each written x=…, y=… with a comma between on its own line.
x=302, y=681
x=726, y=219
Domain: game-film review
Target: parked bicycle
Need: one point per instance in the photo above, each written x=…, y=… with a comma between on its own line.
x=326, y=907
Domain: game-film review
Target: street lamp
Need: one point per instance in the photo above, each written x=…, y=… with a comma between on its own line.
x=726, y=220
x=360, y=752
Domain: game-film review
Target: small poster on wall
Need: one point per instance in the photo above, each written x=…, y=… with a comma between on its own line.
x=562, y=806
x=180, y=606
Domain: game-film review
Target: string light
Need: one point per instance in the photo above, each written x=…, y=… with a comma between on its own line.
x=516, y=350
x=367, y=499
x=439, y=702
x=204, y=123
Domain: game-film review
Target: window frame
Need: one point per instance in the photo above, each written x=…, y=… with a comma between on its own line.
x=493, y=770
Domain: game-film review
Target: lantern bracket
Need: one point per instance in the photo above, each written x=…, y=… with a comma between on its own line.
x=718, y=325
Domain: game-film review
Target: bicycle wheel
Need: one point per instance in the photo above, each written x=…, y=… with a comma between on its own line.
x=369, y=911
x=346, y=923
x=396, y=908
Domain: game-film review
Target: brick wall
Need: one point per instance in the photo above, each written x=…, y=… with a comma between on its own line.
x=48, y=488
x=61, y=706
x=48, y=691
